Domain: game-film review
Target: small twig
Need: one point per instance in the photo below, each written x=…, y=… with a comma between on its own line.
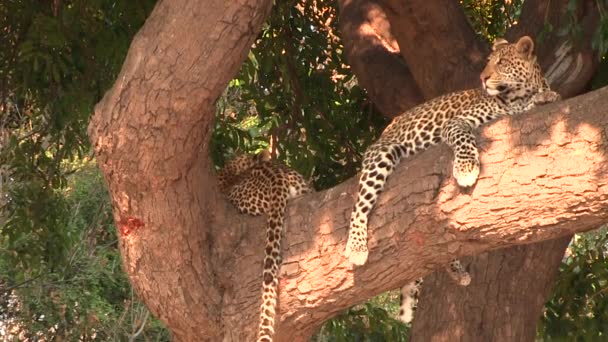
x=9, y=289
x=141, y=328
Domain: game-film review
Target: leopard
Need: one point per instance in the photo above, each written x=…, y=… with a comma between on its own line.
x=512, y=83
x=256, y=185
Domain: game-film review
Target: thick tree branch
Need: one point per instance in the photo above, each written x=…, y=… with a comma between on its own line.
x=441, y=49
x=151, y=137
x=544, y=176
x=374, y=55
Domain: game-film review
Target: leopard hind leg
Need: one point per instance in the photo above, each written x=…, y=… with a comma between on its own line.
x=411, y=292
x=458, y=273
x=409, y=300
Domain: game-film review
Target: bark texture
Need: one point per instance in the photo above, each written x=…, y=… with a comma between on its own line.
x=374, y=55
x=197, y=264
x=151, y=137
x=438, y=44
x=518, y=297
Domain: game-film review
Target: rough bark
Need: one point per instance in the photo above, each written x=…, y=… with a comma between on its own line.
x=196, y=263
x=438, y=44
x=514, y=301
x=151, y=137
x=374, y=55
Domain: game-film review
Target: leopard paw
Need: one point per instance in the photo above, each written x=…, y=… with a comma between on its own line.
x=465, y=279
x=466, y=172
x=356, y=252
x=546, y=97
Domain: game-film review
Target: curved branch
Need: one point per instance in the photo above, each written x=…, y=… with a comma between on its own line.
x=151, y=135
x=374, y=55
x=442, y=50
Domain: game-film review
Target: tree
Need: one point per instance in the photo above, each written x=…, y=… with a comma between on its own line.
x=176, y=253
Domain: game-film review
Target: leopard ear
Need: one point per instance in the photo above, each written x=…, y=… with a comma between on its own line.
x=499, y=42
x=525, y=46
x=264, y=155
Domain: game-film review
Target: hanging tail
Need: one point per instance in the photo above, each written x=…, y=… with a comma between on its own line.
x=272, y=262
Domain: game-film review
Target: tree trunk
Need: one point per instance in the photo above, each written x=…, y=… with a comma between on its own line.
x=196, y=263
x=374, y=55
x=510, y=304
x=438, y=44
x=433, y=58
x=151, y=137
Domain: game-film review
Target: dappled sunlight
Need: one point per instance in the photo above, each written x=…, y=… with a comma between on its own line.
x=537, y=171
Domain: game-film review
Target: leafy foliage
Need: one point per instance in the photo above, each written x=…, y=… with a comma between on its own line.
x=305, y=101
x=62, y=57
x=88, y=297
x=491, y=18
x=578, y=309
x=374, y=320
x=60, y=273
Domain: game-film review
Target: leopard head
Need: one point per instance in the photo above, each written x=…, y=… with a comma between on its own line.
x=512, y=69
x=237, y=166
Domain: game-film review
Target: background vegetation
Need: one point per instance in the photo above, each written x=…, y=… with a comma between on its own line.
x=60, y=270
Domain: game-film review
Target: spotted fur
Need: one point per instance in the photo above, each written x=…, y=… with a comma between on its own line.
x=255, y=185
x=512, y=82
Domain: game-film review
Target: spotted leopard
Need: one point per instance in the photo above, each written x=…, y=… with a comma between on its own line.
x=255, y=185
x=512, y=83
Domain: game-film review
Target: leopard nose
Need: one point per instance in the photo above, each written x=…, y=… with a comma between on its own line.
x=483, y=79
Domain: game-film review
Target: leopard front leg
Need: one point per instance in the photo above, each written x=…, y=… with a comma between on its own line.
x=542, y=98
x=459, y=135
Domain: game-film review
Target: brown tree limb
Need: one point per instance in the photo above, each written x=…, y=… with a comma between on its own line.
x=515, y=283
x=151, y=137
x=374, y=55
x=441, y=49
